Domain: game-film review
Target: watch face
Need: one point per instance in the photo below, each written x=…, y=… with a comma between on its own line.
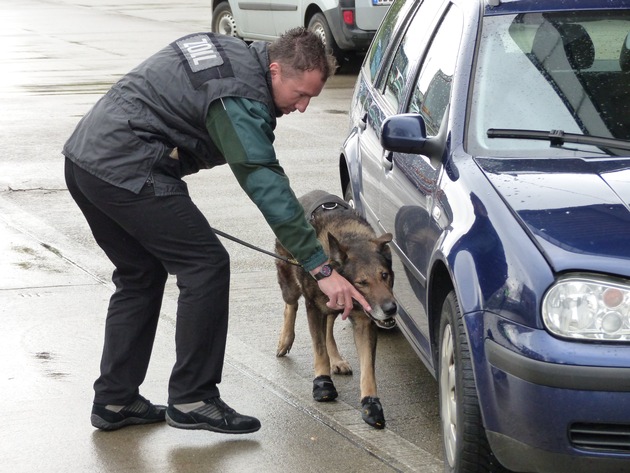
x=324, y=272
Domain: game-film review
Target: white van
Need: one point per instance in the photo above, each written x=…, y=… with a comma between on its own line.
x=346, y=26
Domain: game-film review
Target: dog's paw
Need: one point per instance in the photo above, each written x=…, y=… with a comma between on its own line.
x=372, y=412
x=341, y=367
x=324, y=389
x=283, y=348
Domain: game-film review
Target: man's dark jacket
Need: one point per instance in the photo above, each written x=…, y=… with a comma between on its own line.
x=163, y=104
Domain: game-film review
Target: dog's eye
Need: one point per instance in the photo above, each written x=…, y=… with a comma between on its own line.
x=361, y=282
x=385, y=276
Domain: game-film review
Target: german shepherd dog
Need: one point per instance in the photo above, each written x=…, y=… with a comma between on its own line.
x=365, y=260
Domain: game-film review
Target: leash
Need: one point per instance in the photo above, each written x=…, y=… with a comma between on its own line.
x=325, y=202
x=256, y=248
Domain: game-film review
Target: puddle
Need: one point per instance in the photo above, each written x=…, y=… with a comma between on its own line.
x=66, y=89
x=43, y=355
x=46, y=357
x=31, y=259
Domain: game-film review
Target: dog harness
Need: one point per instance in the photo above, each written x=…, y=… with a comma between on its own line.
x=326, y=202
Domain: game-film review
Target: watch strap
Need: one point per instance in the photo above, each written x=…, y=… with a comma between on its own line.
x=324, y=272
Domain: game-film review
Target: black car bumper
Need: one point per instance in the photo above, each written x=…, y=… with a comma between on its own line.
x=348, y=38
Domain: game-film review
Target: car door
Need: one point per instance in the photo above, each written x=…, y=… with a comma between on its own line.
x=287, y=14
x=256, y=19
x=410, y=182
x=385, y=73
x=371, y=109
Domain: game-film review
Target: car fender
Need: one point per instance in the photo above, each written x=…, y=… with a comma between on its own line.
x=494, y=263
x=350, y=169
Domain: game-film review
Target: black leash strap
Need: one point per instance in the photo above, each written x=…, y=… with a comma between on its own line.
x=249, y=245
x=324, y=202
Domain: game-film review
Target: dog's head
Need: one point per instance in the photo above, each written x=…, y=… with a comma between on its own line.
x=367, y=264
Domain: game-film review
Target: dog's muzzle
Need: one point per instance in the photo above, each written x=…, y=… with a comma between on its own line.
x=386, y=324
x=387, y=321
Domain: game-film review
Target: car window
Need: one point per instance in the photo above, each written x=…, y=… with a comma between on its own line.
x=551, y=71
x=432, y=92
x=409, y=52
x=394, y=17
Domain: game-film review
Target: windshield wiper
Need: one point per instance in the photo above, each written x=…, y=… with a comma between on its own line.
x=558, y=138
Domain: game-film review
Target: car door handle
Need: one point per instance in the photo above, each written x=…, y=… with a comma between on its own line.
x=388, y=160
x=362, y=122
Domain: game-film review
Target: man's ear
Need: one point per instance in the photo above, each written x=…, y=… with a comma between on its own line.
x=275, y=69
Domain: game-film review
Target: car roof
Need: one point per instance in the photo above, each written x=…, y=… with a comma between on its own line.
x=501, y=7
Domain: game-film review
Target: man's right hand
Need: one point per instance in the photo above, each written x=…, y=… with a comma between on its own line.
x=340, y=293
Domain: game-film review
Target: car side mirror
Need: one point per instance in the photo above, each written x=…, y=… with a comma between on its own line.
x=404, y=133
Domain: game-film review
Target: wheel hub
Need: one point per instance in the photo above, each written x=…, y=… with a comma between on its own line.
x=227, y=25
x=448, y=401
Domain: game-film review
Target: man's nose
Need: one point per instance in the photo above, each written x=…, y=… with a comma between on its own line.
x=302, y=104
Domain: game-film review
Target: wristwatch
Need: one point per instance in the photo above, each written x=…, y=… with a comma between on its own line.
x=325, y=271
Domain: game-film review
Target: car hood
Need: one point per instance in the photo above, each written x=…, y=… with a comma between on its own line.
x=578, y=211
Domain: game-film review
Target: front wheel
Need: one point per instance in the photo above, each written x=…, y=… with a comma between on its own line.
x=223, y=20
x=466, y=448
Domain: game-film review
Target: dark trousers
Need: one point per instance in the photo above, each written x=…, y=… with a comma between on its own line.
x=148, y=237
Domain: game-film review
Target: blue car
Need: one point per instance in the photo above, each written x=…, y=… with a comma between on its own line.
x=492, y=139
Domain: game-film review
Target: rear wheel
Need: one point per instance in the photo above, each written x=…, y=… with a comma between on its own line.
x=318, y=25
x=466, y=448
x=223, y=20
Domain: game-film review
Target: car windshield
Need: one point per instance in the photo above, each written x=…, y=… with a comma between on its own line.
x=551, y=71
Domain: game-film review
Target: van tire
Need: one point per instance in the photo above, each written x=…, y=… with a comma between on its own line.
x=223, y=20
x=319, y=26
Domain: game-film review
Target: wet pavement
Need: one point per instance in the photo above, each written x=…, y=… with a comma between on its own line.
x=50, y=345
x=52, y=315
x=57, y=57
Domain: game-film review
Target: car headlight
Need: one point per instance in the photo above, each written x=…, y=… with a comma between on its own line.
x=588, y=308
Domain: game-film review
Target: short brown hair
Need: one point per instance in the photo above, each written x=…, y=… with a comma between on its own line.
x=302, y=50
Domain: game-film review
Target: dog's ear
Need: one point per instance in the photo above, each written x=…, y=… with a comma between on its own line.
x=338, y=252
x=381, y=244
x=383, y=240
x=385, y=251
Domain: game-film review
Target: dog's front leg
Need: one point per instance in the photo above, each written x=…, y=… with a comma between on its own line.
x=323, y=387
x=317, y=327
x=338, y=364
x=365, y=336
x=287, y=335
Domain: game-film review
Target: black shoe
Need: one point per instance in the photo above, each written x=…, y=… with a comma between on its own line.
x=324, y=389
x=372, y=412
x=215, y=415
x=140, y=411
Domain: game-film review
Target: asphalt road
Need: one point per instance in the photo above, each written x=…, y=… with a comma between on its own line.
x=57, y=57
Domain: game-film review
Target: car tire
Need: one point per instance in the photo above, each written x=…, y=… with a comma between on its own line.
x=466, y=448
x=319, y=26
x=223, y=20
